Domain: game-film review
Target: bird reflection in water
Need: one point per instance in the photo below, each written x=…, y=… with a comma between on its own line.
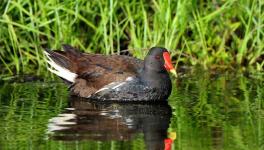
x=106, y=121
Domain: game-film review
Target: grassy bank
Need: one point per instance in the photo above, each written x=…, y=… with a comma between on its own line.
x=214, y=34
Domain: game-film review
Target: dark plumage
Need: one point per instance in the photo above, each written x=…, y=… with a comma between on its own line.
x=114, y=77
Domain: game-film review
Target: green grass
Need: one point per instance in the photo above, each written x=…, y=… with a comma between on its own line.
x=213, y=34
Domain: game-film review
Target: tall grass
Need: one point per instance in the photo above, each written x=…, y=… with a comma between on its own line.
x=211, y=33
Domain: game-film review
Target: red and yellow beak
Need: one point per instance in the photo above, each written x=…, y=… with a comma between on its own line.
x=168, y=65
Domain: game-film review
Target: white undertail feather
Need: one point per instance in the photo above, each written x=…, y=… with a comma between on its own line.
x=59, y=70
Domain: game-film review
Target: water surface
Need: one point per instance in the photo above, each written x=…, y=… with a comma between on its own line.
x=205, y=111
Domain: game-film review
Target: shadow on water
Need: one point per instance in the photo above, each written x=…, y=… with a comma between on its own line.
x=106, y=121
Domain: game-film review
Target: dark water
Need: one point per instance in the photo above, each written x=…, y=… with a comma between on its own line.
x=205, y=111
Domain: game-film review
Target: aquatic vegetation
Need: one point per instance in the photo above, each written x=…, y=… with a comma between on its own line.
x=206, y=111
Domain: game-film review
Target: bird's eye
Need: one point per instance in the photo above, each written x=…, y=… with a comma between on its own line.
x=157, y=57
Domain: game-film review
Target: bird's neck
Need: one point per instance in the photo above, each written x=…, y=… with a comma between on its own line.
x=155, y=77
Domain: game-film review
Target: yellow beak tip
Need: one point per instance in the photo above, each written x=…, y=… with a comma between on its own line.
x=173, y=71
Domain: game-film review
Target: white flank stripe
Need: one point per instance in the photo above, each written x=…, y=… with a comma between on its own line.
x=118, y=85
x=113, y=85
x=102, y=89
x=106, y=87
x=60, y=71
x=129, y=78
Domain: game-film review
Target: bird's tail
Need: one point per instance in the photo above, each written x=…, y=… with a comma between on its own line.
x=60, y=63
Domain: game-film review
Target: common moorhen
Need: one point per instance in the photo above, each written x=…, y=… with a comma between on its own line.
x=114, y=77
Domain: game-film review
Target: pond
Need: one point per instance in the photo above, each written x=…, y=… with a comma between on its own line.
x=207, y=110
